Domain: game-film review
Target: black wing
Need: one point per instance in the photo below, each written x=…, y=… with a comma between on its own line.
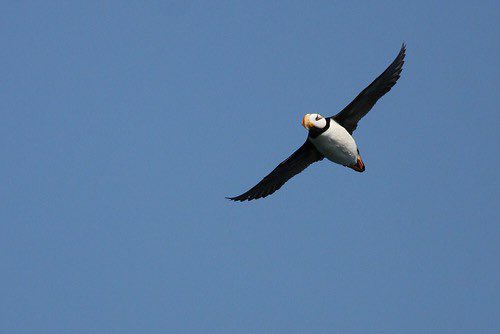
x=293, y=165
x=361, y=105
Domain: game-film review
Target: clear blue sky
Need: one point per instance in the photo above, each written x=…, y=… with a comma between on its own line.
x=124, y=126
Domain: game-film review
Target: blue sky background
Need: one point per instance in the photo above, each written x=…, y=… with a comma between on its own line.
x=124, y=126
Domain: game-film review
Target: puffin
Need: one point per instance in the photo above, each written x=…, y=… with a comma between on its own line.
x=330, y=137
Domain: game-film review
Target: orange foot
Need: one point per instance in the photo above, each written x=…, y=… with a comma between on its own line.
x=359, y=166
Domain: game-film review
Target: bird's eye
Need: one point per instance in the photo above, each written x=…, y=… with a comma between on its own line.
x=318, y=117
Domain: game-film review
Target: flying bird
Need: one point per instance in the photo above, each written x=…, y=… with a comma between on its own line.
x=330, y=137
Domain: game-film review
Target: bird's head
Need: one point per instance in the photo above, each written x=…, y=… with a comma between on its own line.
x=316, y=121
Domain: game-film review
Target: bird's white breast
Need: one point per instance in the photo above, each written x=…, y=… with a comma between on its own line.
x=337, y=145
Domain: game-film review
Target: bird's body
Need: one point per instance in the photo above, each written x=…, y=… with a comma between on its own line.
x=330, y=137
x=337, y=145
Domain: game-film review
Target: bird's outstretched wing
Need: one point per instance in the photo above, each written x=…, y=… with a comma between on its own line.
x=361, y=105
x=293, y=165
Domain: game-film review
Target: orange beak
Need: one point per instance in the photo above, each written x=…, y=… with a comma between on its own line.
x=306, y=123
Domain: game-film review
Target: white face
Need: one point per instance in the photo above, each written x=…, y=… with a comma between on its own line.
x=313, y=121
